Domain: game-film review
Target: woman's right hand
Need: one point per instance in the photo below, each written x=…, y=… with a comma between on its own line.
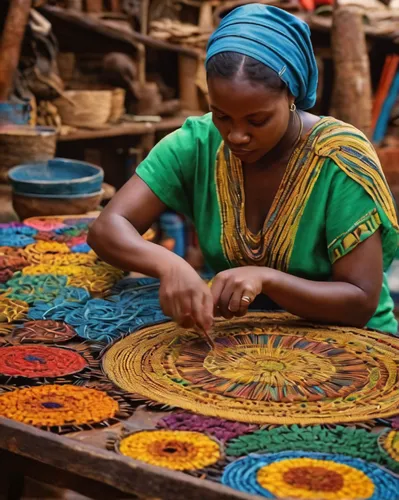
x=185, y=297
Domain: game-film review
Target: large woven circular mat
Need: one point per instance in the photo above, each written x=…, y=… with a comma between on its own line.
x=266, y=368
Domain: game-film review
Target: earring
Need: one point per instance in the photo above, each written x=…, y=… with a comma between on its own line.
x=293, y=107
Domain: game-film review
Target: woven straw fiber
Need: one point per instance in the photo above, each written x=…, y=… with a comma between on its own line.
x=266, y=368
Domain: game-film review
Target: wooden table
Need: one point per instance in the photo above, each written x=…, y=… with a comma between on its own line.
x=26, y=452
x=112, y=147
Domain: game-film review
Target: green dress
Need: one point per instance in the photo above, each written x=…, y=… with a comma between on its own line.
x=332, y=197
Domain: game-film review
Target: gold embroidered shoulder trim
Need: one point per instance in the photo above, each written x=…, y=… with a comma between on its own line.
x=355, y=155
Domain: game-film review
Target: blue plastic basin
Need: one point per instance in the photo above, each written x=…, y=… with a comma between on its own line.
x=56, y=177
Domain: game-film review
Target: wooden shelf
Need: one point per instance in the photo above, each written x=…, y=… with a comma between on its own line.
x=126, y=128
x=81, y=32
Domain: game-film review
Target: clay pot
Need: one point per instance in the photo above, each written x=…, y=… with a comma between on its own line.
x=36, y=206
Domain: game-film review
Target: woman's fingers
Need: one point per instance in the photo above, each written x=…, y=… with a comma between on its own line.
x=234, y=290
x=177, y=306
x=189, y=308
x=166, y=305
x=207, y=304
x=217, y=288
x=232, y=297
x=240, y=300
x=183, y=312
x=224, y=302
x=221, y=293
x=186, y=298
x=203, y=315
x=235, y=300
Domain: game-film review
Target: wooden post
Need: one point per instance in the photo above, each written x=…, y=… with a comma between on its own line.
x=352, y=93
x=205, y=15
x=10, y=44
x=141, y=48
x=74, y=5
x=114, y=5
x=94, y=6
x=187, y=83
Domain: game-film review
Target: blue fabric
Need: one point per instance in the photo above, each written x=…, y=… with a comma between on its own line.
x=385, y=114
x=276, y=38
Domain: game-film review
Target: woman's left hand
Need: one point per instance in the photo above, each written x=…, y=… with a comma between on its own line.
x=235, y=289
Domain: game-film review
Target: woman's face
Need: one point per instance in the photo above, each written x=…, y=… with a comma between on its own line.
x=251, y=118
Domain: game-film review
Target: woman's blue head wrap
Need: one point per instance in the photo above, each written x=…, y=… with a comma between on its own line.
x=276, y=38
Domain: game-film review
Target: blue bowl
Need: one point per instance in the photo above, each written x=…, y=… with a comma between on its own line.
x=56, y=177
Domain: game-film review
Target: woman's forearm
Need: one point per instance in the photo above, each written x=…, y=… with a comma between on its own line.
x=334, y=302
x=117, y=242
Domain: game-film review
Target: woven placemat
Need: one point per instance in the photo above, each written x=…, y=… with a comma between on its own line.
x=266, y=368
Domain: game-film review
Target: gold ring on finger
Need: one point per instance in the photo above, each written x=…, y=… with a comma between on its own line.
x=246, y=299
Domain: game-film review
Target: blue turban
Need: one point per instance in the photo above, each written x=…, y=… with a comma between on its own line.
x=276, y=38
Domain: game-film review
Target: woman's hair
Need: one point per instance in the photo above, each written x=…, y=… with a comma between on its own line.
x=231, y=64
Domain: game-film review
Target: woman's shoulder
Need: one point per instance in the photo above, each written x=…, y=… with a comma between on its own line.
x=330, y=122
x=353, y=166
x=346, y=153
x=201, y=121
x=330, y=135
x=201, y=127
x=200, y=124
x=196, y=132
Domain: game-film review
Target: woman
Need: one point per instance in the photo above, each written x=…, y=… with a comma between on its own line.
x=285, y=203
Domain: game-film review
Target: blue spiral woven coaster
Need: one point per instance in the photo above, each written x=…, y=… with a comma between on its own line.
x=280, y=469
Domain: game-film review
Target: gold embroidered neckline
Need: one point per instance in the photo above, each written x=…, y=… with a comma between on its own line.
x=271, y=245
x=287, y=172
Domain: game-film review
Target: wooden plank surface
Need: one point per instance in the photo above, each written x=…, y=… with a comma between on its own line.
x=124, y=474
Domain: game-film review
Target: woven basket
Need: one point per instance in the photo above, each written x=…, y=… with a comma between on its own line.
x=24, y=144
x=85, y=108
x=117, y=105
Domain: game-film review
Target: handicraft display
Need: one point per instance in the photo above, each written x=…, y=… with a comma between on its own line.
x=267, y=369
